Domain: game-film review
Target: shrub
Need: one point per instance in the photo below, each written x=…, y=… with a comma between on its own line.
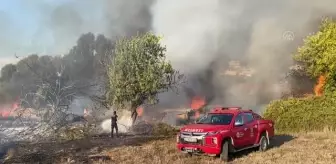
x=164, y=129
x=303, y=114
x=317, y=54
x=73, y=133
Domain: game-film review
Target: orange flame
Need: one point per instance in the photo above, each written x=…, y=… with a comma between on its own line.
x=5, y=113
x=140, y=111
x=15, y=106
x=197, y=103
x=197, y=114
x=318, y=89
x=8, y=110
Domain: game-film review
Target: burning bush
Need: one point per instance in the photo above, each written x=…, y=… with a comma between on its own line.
x=318, y=56
x=318, y=89
x=303, y=114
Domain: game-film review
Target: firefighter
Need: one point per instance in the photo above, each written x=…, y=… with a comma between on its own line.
x=114, y=125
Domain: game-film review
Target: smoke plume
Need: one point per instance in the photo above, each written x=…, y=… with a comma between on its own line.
x=53, y=27
x=203, y=34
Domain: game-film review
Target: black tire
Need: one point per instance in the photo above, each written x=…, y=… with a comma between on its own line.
x=263, y=143
x=224, y=155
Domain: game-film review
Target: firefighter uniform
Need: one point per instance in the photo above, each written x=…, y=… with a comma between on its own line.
x=114, y=124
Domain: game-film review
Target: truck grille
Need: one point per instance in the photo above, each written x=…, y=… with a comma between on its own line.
x=199, y=142
x=199, y=136
x=193, y=134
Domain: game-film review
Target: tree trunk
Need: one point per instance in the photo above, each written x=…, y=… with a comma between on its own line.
x=134, y=115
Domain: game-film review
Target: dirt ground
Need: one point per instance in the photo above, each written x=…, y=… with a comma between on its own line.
x=307, y=148
x=310, y=148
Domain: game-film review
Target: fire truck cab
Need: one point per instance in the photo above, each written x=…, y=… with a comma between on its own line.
x=225, y=130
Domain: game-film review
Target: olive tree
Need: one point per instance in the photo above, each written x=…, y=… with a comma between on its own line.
x=138, y=72
x=318, y=53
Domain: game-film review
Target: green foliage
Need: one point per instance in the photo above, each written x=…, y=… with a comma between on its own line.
x=303, y=114
x=318, y=53
x=318, y=56
x=139, y=71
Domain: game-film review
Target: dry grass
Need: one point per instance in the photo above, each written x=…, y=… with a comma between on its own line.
x=307, y=148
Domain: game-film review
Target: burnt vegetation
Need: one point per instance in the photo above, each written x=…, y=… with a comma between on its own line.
x=81, y=66
x=49, y=85
x=41, y=89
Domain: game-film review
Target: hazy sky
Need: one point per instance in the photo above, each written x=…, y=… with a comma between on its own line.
x=45, y=26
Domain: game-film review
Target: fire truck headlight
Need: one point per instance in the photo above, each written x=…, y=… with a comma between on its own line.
x=214, y=140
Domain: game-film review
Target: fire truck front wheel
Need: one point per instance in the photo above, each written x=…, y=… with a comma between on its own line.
x=224, y=155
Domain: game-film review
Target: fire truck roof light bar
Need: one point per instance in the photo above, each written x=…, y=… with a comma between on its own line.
x=230, y=108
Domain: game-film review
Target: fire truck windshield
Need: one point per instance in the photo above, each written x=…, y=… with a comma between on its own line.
x=216, y=119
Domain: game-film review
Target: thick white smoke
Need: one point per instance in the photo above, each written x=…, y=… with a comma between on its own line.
x=190, y=30
x=198, y=33
x=124, y=123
